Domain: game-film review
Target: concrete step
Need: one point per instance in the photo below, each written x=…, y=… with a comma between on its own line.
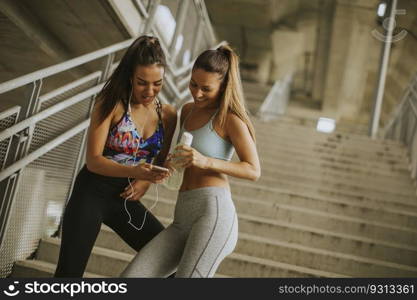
x=103, y=261
x=112, y=263
x=252, y=190
x=394, y=176
x=298, y=235
x=319, y=220
x=255, y=86
x=270, y=209
x=314, y=169
x=251, y=99
x=39, y=269
x=372, y=161
x=290, y=119
x=323, y=188
x=334, y=162
x=315, y=258
x=264, y=207
x=330, y=139
x=330, y=240
x=403, y=186
x=273, y=194
x=307, y=149
x=272, y=142
x=408, y=193
x=252, y=107
x=240, y=265
x=282, y=126
x=323, y=260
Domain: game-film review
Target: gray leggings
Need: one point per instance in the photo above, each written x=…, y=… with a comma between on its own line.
x=203, y=233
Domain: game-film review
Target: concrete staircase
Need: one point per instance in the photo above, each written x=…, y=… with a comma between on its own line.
x=327, y=205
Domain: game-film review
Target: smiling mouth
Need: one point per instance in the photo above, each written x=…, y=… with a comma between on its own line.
x=147, y=98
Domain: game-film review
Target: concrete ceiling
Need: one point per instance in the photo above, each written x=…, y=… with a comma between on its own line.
x=248, y=25
x=37, y=34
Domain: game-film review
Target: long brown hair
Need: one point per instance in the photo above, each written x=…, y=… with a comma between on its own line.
x=144, y=51
x=225, y=62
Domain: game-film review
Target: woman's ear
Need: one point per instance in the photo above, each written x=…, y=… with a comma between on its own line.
x=223, y=86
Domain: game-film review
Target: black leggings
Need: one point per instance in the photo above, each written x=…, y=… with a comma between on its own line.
x=95, y=199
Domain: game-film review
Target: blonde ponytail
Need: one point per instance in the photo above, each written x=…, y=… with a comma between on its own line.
x=233, y=99
x=225, y=62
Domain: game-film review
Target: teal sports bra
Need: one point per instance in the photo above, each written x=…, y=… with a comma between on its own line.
x=207, y=141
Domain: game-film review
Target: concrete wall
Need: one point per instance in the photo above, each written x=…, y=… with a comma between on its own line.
x=348, y=65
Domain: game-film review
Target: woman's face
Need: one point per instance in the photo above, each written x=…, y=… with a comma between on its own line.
x=146, y=83
x=205, y=88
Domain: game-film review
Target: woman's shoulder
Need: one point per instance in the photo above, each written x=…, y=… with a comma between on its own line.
x=234, y=122
x=168, y=112
x=168, y=109
x=169, y=116
x=186, y=108
x=99, y=111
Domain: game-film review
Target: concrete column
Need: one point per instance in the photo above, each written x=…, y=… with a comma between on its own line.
x=324, y=31
x=349, y=53
x=287, y=47
x=264, y=67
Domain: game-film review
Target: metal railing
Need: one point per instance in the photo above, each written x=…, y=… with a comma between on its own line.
x=30, y=145
x=403, y=125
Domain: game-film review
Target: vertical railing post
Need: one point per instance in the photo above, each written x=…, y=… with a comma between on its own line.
x=151, y=16
x=106, y=68
x=180, y=19
x=196, y=38
x=32, y=92
x=373, y=129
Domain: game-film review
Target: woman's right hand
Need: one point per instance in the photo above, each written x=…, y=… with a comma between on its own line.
x=169, y=163
x=144, y=171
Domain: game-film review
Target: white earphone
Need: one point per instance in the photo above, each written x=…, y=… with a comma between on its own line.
x=130, y=183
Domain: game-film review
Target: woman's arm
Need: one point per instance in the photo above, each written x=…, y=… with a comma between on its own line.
x=97, y=163
x=169, y=118
x=247, y=168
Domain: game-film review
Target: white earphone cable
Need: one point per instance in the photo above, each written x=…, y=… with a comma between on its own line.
x=130, y=183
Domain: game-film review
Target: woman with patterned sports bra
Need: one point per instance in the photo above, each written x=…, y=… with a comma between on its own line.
x=130, y=131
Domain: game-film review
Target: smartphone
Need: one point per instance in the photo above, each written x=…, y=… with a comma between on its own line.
x=158, y=168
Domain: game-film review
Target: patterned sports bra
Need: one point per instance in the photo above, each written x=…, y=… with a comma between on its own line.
x=126, y=146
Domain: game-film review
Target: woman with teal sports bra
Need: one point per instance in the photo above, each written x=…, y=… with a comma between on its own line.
x=205, y=228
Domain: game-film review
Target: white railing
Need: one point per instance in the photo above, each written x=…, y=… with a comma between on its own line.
x=276, y=102
x=403, y=125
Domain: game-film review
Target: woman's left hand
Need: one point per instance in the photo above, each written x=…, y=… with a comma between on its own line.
x=186, y=156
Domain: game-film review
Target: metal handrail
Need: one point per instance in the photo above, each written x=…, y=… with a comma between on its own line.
x=69, y=86
x=403, y=125
x=42, y=150
x=141, y=8
x=397, y=114
x=64, y=66
x=8, y=132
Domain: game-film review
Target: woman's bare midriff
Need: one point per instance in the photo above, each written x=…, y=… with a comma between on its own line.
x=195, y=178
